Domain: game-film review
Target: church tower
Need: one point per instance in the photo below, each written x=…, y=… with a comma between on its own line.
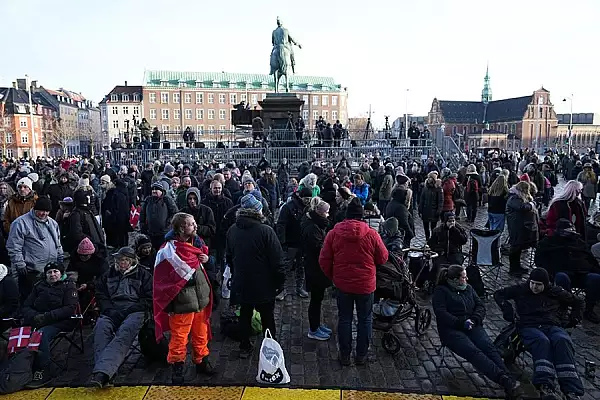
x=486, y=93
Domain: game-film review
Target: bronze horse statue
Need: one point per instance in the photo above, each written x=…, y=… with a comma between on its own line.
x=282, y=55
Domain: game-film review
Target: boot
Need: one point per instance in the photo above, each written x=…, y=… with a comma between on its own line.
x=548, y=393
x=177, y=373
x=511, y=386
x=302, y=293
x=205, y=367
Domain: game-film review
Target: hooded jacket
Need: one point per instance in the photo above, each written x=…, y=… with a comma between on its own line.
x=127, y=292
x=156, y=214
x=57, y=192
x=219, y=206
x=288, y=223
x=313, y=229
x=397, y=208
x=203, y=215
x=431, y=200
x=17, y=206
x=449, y=186
x=32, y=244
x=82, y=224
x=522, y=220
x=349, y=256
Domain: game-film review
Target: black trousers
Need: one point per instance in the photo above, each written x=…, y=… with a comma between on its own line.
x=267, y=319
x=429, y=226
x=471, y=211
x=314, y=307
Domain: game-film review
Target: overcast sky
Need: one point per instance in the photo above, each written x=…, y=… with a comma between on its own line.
x=377, y=49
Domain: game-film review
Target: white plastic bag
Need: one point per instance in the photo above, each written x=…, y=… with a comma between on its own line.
x=271, y=364
x=226, y=288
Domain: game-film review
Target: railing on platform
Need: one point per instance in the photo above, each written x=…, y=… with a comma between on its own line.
x=451, y=153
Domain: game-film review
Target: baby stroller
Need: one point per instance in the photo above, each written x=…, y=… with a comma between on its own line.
x=422, y=268
x=395, y=286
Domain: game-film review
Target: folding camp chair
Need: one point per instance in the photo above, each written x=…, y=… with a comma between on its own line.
x=485, y=252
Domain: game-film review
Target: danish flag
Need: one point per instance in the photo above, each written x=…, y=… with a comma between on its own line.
x=23, y=337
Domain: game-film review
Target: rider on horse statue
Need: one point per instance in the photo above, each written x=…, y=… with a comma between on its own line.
x=282, y=54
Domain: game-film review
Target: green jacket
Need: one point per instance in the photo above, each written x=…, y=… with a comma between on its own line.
x=193, y=297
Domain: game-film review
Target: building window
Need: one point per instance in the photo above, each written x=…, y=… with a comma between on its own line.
x=211, y=114
x=24, y=138
x=164, y=113
x=325, y=100
x=233, y=98
x=221, y=114
x=182, y=84
x=334, y=116
x=305, y=100
x=244, y=97
x=177, y=129
x=152, y=97
x=9, y=153
x=115, y=110
x=211, y=98
x=513, y=128
x=136, y=110
x=114, y=97
x=165, y=128
x=200, y=129
x=153, y=113
x=187, y=98
x=125, y=97
x=222, y=128
x=176, y=114
x=164, y=83
x=136, y=97
x=164, y=97
x=305, y=115
x=315, y=115
x=254, y=99
x=334, y=100
x=125, y=110
x=315, y=100
x=222, y=98
x=199, y=113
x=116, y=124
x=211, y=129
x=188, y=113
x=325, y=115
x=176, y=98
x=23, y=122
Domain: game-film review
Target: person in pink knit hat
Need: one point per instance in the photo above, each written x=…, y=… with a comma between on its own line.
x=88, y=265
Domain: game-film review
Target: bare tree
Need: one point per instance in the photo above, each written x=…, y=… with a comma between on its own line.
x=7, y=127
x=61, y=133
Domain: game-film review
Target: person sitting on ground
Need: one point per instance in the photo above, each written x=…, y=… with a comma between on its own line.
x=49, y=308
x=539, y=307
x=459, y=314
x=447, y=240
x=569, y=263
x=124, y=295
x=372, y=216
x=88, y=265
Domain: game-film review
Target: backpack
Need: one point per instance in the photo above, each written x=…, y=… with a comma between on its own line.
x=472, y=185
x=16, y=372
x=151, y=350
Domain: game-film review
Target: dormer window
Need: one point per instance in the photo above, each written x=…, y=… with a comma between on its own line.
x=125, y=97
x=182, y=84
x=114, y=97
x=136, y=97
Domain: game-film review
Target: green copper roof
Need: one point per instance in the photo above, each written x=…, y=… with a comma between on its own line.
x=227, y=80
x=486, y=93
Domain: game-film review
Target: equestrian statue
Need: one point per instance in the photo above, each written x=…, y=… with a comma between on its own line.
x=282, y=55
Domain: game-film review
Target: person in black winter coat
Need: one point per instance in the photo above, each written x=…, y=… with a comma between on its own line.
x=459, y=314
x=146, y=178
x=203, y=215
x=254, y=255
x=540, y=306
x=115, y=215
x=397, y=208
x=49, y=308
x=9, y=296
x=522, y=221
x=82, y=224
x=313, y=228
x=130, y=181
x=430, y=203
x=145, y=253
x=219, y=205
x=447, y=240
x=155, y=216
x=58, y=191
x=328, y=194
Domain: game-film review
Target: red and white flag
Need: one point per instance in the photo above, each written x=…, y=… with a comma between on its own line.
x=134, y=216
x=175, y=264
x=18, y=338
x=35, y=340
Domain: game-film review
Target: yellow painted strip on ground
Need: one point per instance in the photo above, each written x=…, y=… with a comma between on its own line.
x=115, y=393
x=256, y=393
x=38, y=394
x=363, y=395
x=463, y=398
x=194, y=393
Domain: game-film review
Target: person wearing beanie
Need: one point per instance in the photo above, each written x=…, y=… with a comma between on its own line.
x=460, y=315
x=145, y=253
x=398, y=208
x=124, y=296
x=349, y=257
x=20, y=203
x=447, y=240
x=392, y=237
x=58, y=191
x=49, y=309
x=85, y=188
x=343, y=197
x=169, y=170
x=87, y=265
x=290, y=236
x=540, y=306
x=255, y=254
x=156, y=213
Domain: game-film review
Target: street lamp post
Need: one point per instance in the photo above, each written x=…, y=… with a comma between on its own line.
x=570, y=98
x=406, y=116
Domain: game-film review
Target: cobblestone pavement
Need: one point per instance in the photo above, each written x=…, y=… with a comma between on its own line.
x=417, y=368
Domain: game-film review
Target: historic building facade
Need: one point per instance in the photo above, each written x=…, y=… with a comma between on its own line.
x=520, y=122
x=585, y=132
x=120, y=110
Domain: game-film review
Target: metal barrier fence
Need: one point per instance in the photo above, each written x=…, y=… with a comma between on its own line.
x=294, y=155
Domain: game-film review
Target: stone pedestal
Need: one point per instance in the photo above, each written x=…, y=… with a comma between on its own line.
x=275, y=109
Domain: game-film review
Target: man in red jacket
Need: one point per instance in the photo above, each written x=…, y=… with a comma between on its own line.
x=349, y=257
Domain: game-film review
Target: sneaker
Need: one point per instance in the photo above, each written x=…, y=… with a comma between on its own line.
x=177, y=373
x=318, y=335
x=548, y=393
x=205, y=367
x=345, y=360
x=281, y=295
x=40, y=379
x=302, y=293
x=325, y=329
x=99, y=380
x=591, y=316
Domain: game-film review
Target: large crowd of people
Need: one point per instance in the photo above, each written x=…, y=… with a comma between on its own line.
x=67, y=239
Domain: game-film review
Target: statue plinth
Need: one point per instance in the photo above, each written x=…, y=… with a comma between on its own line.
x=276, y=106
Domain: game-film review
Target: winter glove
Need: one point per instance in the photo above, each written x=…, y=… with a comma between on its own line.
x=39, y=320
x=468, y=325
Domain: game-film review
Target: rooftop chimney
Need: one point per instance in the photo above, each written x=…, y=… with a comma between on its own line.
x=22, y=84
x=34, y=84
x=14, y=85
x=125, y=83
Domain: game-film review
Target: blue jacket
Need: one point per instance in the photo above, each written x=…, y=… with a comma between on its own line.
x=361, y=192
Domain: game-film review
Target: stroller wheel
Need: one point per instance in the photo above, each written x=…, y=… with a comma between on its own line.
x=422, y=320
x=390, y=343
